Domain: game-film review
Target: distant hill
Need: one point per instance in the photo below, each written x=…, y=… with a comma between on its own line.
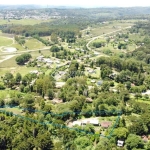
x=5, y=7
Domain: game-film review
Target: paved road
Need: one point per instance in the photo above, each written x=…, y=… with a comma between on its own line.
x=10, y=55
x=25, y=51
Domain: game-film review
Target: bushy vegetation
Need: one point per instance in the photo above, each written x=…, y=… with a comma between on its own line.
x=23, y=58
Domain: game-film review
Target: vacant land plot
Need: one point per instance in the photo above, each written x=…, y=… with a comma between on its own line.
x=103, y=29
x=18, y=46
x=23, y=21
x=136, y=37
x=33, y=44
x=8, y=63
x=4, y=41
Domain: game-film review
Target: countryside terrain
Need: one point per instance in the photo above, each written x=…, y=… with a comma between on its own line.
x=72, y=81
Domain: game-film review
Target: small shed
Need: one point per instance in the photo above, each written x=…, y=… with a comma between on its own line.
x=120, y=143
x=100, y=82
x=105, y=124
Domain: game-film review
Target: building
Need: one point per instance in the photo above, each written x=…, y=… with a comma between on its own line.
x=105, y=124
x=94, y=122
x=100, y=82
x=76, y=123
x=34, y=72
x=120, y=143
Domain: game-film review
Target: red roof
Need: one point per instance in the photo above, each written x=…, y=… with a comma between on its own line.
x=105, y=124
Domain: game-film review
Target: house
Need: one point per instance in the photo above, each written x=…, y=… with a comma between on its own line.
x=145, y=138
x=77, y=49
x=89, y=100
x=76, y=123
x=47, y=60
x=100, y=82
x=120, y=143
x=57, y=101
x=93, y=81
x=91, y=71
x=112, y=76
x=58, y=62
x=105, y=124
x=94, y=122
x=34, y=72
x=40, y=58
x=96, y=53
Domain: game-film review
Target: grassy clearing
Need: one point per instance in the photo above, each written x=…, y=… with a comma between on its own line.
x=15, y=110
x=143, y=101
x=9, y=63
x=18, y=46
x=3, y=94
x=33, y=44
x=23, y=21
x=5, y=41
x=103, y=29
x=136, y=37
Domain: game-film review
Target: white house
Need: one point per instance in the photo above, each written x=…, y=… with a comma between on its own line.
x=120, y=143
x=76, y=123
x=34, y=72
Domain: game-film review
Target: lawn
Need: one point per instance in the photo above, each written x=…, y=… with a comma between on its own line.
x=24, y=21
x=4, y=41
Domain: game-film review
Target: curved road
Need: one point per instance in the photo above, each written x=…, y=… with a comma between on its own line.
x=100, y=36
x=47, y=48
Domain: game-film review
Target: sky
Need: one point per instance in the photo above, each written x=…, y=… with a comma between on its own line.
x=82, y=3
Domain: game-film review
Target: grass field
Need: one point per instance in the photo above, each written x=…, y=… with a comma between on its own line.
x=14, y=68
x=4, y=41
x=136, y=37
x=142, y=101
x=18, y=46
x=34, y=44
x=103, y=29
x=8, y=63
x=24, y=21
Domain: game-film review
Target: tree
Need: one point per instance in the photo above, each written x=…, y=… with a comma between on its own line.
x=134, y=141
x=28, y=103
x=148, y=146
x=82, y=142
x=44, y=141
x=23, y=58
x=50, y=94
x=105, y=86
x=97, y=44
x=9, y=80
x=104, y=144
x=121, y=133
x=54, y=49
x=18, y=78
x=54, y=38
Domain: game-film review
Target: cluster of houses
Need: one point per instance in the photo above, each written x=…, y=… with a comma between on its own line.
x=47, y=61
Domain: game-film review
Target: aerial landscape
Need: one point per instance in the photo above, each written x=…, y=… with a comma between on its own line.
x=74, y=77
